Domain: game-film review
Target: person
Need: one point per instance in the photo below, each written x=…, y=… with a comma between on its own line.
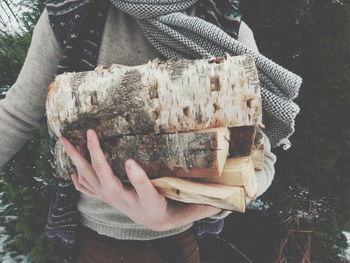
x=115, y=224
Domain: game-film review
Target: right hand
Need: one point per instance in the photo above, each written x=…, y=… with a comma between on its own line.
x=143, y=204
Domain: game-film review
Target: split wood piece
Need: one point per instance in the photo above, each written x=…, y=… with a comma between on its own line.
x=186, y=154
x=238, y=172
x=157, y=97
x=241, y=141
x=258, y=150
x=221, y=196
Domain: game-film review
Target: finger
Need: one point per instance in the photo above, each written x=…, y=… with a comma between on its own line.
x=140, y=181
x=72, y=152
x=82, y=188
x=98, y=159
x=104, y=171
x=85, y=183
x=84, y=168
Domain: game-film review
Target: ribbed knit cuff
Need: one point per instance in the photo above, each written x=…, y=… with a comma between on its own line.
x=129, y=231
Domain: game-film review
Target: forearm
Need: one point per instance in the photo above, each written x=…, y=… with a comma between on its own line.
x=23, y=108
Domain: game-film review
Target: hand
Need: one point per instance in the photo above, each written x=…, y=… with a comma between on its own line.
x=143, y=204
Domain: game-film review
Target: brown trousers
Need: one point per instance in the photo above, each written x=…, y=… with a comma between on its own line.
x=95, y=248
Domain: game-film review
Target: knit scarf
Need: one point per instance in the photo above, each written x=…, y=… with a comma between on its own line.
x=78, y=25
x=177, y=35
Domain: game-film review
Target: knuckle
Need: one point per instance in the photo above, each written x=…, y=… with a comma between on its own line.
x=97, y=165
x=80, y=179
x=139, y=177
x=140, y=180
x=89, y=194
x=78, y=187
x=105, y=196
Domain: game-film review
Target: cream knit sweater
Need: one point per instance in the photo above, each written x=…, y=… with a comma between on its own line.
x=24, y=106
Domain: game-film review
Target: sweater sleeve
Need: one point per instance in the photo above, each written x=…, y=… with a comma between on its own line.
x=23, y=108
x=264, y=177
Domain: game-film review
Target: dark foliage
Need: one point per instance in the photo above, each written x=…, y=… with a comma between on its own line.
x=308, y=205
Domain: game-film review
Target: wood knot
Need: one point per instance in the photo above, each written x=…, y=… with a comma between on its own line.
x=155, y=114
x=93, y=98
x=128, y=118
x=214, y=83
x=249, y=103
x=153, y=89
x=186, y=111
x=216, y=60
x=216, y=107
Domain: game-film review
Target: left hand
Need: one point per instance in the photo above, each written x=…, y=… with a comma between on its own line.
x=143, y=204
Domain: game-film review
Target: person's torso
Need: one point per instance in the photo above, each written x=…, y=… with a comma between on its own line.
x=122, y=43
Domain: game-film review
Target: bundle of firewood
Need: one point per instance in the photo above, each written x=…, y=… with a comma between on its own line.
x=190, y=124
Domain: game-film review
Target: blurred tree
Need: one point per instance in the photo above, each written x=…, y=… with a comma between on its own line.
x=311, y=187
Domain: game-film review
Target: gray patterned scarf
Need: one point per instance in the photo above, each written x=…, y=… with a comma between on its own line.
x=176, y=35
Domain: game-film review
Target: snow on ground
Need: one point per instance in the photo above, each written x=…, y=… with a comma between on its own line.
x=6, y=258
x=347, y=234
x=9, y=21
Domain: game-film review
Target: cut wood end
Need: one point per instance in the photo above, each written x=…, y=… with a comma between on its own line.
x=238, y=171
x=223, y=145
x=249, y=180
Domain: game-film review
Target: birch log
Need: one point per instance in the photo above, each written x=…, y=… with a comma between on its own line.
x=197, y=154
x=158, y=97
x=186, y=154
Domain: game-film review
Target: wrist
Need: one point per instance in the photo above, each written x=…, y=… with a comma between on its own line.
x=184, y=214
x=221, y=215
